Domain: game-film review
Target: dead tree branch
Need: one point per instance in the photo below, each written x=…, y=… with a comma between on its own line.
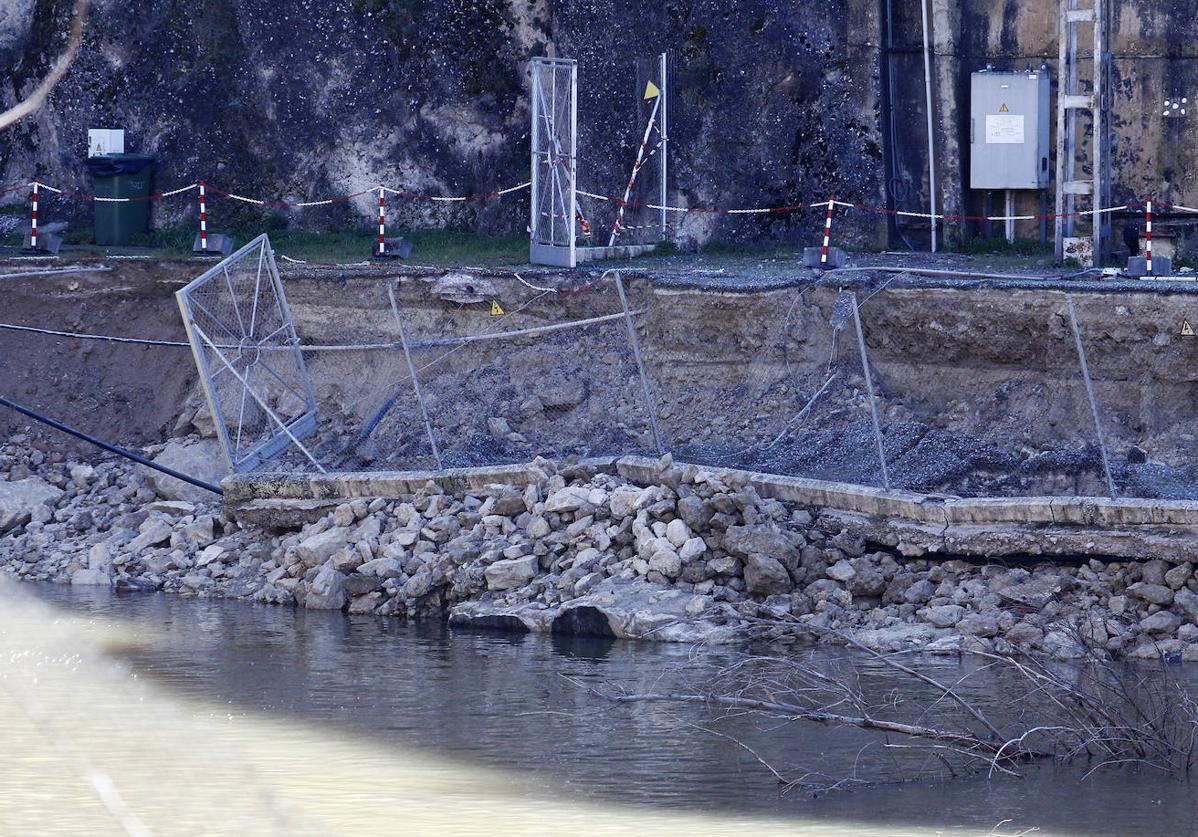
x=63, y=63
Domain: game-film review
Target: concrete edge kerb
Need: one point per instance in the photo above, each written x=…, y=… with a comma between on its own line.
x=930, y=510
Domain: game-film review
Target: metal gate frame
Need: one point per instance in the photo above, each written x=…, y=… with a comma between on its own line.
x=552, y=241
x=283, y=340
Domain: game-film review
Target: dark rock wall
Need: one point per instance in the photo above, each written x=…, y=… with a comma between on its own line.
x=774, y=103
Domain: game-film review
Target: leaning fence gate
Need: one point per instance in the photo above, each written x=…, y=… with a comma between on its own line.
x=248, y=356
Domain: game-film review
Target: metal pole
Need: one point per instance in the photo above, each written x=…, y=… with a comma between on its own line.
x=403, y=338
x=927, y=75
x=640, y=365
x=1009, y=212
x=572, y=218
x=665, y=143
x=534, y=160
x=1081, y=355
x=1098, y=192
x=108, y=446
x=869, y=386
x=1068, y=78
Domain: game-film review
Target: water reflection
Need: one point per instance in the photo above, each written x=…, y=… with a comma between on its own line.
x=514, y=703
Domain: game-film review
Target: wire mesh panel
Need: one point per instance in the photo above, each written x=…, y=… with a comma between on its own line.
x=243, y=338
x=554, y=161
x=538, y=374
x=728, y=382
x=1143, y=362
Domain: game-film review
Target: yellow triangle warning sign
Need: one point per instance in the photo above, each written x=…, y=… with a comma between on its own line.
x=1004, y=109
x=496, y=309
x=1187, y=330
x=651, y=91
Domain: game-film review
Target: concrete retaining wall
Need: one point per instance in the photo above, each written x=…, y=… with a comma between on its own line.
x=914, y=524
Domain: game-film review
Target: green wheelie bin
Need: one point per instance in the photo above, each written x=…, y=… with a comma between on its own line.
x=121, y=176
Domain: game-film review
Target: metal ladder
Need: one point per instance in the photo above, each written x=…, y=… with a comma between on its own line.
x=1069, y=150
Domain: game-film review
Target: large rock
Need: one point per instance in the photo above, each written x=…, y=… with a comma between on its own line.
x=759, y=539
x=575, y=498
x=204, y=459
x=1157, y=594
x=978, y=624
x=153, y=531
x=665, y=559
x=319, y=548
x=1037, y=591
x=327, y=591
x=695, y=512
x=1186, y=601
x=1161, y=622
x=765, y=575
x=90, y=578
x=382, y=568
x=19, y=497
x=511, y=573
x=943, y=616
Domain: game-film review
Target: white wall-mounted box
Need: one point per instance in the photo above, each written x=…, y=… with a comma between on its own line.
x=1008, y=130
x=105, y=141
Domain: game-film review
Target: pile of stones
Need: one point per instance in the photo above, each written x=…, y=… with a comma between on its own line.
x=688, y=557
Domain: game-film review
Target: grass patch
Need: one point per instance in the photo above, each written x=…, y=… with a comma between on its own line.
x=435, y=247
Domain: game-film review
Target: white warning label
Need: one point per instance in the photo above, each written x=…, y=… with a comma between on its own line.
x=1004, y=128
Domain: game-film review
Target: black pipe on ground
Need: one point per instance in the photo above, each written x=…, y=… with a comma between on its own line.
x=111, y=448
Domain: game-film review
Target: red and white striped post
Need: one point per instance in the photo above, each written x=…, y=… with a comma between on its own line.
x=33, y=220
x=382, y=221
x=1148, y=236
x=203, y=219
x=828, y=228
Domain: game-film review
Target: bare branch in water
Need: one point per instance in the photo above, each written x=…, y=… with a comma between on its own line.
x=1091, y=707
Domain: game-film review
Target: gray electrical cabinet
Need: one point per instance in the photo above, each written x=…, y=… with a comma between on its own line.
x=1008, y=130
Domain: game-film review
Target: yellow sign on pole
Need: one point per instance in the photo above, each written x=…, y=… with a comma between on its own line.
x=496, y=308
x=651, y=91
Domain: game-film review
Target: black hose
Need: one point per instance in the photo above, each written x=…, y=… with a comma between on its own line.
x=100, y=443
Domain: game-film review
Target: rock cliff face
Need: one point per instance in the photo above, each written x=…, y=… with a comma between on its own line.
x=772, y=103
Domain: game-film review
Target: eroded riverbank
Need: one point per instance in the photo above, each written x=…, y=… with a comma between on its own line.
x=694, y=556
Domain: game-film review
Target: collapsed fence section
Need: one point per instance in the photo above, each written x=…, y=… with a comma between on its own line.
x=935, y=390
x=474, y=376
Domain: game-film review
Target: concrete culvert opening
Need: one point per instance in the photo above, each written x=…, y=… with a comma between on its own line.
x=583, y=621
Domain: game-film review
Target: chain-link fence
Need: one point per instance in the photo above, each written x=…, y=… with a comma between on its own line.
x=951, y=395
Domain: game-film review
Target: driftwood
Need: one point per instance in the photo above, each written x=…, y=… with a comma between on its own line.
x=63, y=63
x=1092, y=709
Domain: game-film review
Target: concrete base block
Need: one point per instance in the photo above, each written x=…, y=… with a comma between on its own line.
x=47, y=242
x=1137, y=267
x=219, y=244
x=813, y=257
x=397, y=248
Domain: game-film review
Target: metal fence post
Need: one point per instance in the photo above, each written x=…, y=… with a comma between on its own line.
x=403, y=339
x=663, y=186
x=640, y=365
x=1081, y=356
x=869, y=386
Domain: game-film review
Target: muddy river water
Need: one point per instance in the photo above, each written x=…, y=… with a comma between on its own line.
x=151, y=714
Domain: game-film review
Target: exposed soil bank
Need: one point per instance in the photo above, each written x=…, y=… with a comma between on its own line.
x=978, y=384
